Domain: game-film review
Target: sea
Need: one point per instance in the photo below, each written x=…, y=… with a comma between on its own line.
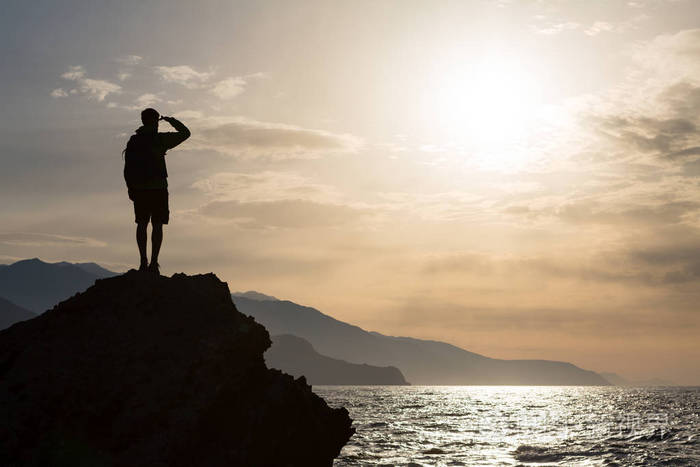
x=519, y=425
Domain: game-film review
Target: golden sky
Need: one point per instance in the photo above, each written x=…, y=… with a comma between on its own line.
x=519, y=178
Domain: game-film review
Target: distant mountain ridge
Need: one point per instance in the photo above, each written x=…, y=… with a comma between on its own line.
x=11, y=314
x=618, y=380
x=38, y=286
x=297, y=357
x=421, y=361
x=253, y=295
x=27, y=282
x=92, y=268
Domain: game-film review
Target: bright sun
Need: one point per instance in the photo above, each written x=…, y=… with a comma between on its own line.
x=486, y=106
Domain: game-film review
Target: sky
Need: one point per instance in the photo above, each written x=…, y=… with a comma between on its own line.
x=518, y=178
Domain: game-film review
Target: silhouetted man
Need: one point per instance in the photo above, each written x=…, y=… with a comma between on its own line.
x=147, y=179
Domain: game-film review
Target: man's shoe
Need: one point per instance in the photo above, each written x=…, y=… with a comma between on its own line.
x=154, y=268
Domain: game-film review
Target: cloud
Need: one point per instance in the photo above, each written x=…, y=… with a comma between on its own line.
x=619, y=27
x=653, y=116
x=274, y=199
x=183, y=75
x=33, y=239
x=231, y=87
x=555, y=28
x=264, y=186
x=598, y=27
x=664, y=125
x=675, y=56
x=693, y=151
x=245, y=137
x=665, y=137
x=228, y=88
x=59, y=92
x=93, y=88
x=680, y=262
x=146, y=100
x=97, y=88
x=74, y=73
x=621, y=209
x=283, y=213
x=130, y=60
x=654, y=265
x=449, y=206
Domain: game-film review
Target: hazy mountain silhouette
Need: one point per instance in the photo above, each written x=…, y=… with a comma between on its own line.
x=421, y=361
x=11, y=314
x=618, y=380
x=37, y=286
x=148, y=370
x=253, y=295
x=297, y=357
x=92, y=268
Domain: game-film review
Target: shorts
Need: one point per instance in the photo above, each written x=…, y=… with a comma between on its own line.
x=150, y=205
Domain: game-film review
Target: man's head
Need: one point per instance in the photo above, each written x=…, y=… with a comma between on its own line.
x=149, y=117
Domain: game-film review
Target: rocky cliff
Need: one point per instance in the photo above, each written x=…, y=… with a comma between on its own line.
x=145, y=370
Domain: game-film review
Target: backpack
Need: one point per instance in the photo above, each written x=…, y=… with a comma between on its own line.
x=140, y=160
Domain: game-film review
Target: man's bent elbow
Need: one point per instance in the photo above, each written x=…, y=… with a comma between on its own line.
x=185, y=132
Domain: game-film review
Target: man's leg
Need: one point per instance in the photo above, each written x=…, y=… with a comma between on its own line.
x=141, y=239
x=156, y=240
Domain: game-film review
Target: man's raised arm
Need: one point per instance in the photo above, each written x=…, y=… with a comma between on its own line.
x=171, y=138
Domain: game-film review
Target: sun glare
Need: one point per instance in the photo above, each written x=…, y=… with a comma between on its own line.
x=486, y=106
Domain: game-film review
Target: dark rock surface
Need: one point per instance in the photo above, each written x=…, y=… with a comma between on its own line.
x=152, y=371
x=297, y=357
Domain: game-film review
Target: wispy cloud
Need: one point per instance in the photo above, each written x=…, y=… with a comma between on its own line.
x=59, y=92
x=130, y=60
x=293, y=213
x=264, y=186
x=97, y=88
x=244, y=137
x=231, y=87
x=184, y=75
x=145, y=100
x=93, y=88
x=228, y=88
x=598, y=27
x=671, y=55
x=273, y=200
x=555, y=28
x=74, y=73
x=34, y=239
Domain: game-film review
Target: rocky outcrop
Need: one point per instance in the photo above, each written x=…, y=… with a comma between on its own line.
x=140, y=370
x=297, y=357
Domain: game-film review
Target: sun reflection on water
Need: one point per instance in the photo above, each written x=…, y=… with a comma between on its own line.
x=519, y=425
